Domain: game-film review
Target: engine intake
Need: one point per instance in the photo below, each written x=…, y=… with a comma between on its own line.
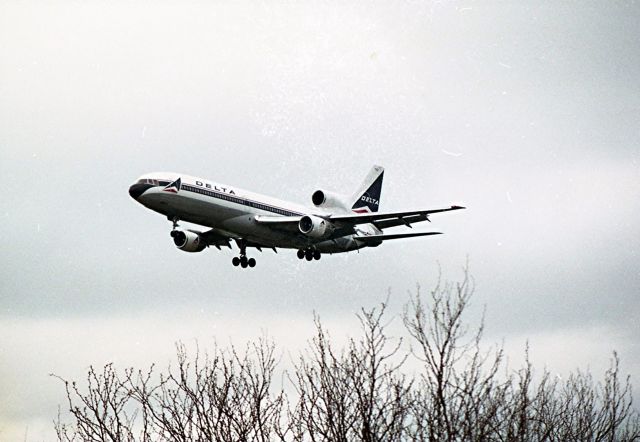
x=323, y=198
x=314, y=226
x=188, y=241
x=318, y=197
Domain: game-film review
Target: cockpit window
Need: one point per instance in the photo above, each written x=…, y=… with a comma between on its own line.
x=148, y=181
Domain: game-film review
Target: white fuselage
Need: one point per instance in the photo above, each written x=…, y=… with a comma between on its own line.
x=231, y=211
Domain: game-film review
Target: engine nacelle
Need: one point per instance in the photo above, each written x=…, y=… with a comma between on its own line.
x=188, y=241
x=323, y=198
x=315, y=227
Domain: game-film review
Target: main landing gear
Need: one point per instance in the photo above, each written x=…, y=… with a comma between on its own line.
x=309, y=254
x=174, y=232
x=242, y=260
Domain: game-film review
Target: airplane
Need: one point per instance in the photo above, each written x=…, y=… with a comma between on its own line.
x=337, y=223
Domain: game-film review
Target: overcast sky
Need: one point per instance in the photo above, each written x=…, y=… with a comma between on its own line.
x=528, y=115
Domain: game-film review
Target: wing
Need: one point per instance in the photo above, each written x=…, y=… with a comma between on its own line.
x=345, y=223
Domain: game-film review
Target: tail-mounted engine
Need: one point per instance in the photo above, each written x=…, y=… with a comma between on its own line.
x=188, y=241
x=323, y=198
x=315, y=227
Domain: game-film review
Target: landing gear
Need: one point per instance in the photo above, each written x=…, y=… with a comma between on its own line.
x=174, y=232
x=242, y=260
x=309, y=254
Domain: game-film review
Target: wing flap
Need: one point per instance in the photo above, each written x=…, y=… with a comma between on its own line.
x=402, y=221
x=357, y=218
x=379, y=238
x=215, y=238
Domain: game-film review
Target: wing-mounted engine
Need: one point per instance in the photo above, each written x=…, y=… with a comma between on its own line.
x=315, y=227
x=326, y=199
x=188, y=240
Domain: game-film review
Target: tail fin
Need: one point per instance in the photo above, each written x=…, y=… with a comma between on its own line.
x=367, y=198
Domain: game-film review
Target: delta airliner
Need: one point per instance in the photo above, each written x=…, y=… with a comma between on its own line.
x=337, y=222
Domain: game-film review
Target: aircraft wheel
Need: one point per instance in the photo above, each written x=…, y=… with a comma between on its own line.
x=251, y=262
x=243, y=262
x=308, y=254
x=300, y=254
x=316, y=254
x=235, y=261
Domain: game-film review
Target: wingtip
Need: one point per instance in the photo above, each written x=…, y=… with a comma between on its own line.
x=454, y=207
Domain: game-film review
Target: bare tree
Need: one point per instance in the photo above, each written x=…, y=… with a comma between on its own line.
x=102, y=413
x=459, y=395
x=227, y=397
x=357, y=392
x=382, y=390
x=325, y=409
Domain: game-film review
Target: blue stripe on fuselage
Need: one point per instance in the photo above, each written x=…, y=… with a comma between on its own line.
x=239, y=200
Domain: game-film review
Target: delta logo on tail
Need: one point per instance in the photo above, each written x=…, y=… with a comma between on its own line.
x=173, y=187
x=369, y=201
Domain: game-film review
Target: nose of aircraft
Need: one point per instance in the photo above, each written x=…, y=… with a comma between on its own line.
x=138, y=189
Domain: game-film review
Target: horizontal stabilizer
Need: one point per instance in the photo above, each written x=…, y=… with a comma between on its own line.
x=378, y=238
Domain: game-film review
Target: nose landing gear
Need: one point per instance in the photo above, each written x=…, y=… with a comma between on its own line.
x=309, y=254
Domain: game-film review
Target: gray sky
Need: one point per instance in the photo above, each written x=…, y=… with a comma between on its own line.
x=529, y=115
